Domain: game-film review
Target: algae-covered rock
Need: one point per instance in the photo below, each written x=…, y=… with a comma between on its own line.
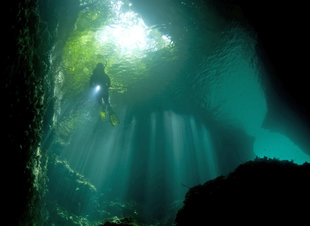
x=115, y=221
x=73, y=200
x=68, y=189
x=62, y=216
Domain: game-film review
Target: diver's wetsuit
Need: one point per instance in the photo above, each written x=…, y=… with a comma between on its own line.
x=99, y=77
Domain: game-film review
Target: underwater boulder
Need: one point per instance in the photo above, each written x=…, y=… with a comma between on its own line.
x=263, y=190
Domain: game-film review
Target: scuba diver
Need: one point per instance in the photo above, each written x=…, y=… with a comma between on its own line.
x=101, y=82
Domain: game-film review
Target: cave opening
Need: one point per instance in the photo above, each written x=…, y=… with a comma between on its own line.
x=191, y=96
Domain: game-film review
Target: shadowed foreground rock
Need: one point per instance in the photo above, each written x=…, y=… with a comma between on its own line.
x=260, y=191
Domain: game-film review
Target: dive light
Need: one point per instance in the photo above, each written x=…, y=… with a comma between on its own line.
x=97, y=88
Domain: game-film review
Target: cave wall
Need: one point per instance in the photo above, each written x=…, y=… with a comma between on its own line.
x=22, y=83
x=27, y=59
x=282, y=42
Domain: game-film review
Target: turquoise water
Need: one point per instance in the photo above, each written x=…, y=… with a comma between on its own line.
x=190, y=102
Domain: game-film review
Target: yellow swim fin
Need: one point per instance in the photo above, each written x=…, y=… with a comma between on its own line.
x=113, y=119
x=103, y=115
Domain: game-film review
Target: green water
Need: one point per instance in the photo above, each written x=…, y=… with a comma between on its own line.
x=187, y=91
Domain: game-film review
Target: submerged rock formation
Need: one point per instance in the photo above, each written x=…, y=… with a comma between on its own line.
x=257, y=191
x=82, y=194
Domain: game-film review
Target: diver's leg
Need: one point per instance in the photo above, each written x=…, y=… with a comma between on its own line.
x=103, y=107
x=106, y=100
x=112, y=116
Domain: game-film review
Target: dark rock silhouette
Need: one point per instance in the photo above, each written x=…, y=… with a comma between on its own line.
x=258, y=191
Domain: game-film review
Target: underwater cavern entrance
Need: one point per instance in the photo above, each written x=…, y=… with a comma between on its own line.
x=189, y=94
